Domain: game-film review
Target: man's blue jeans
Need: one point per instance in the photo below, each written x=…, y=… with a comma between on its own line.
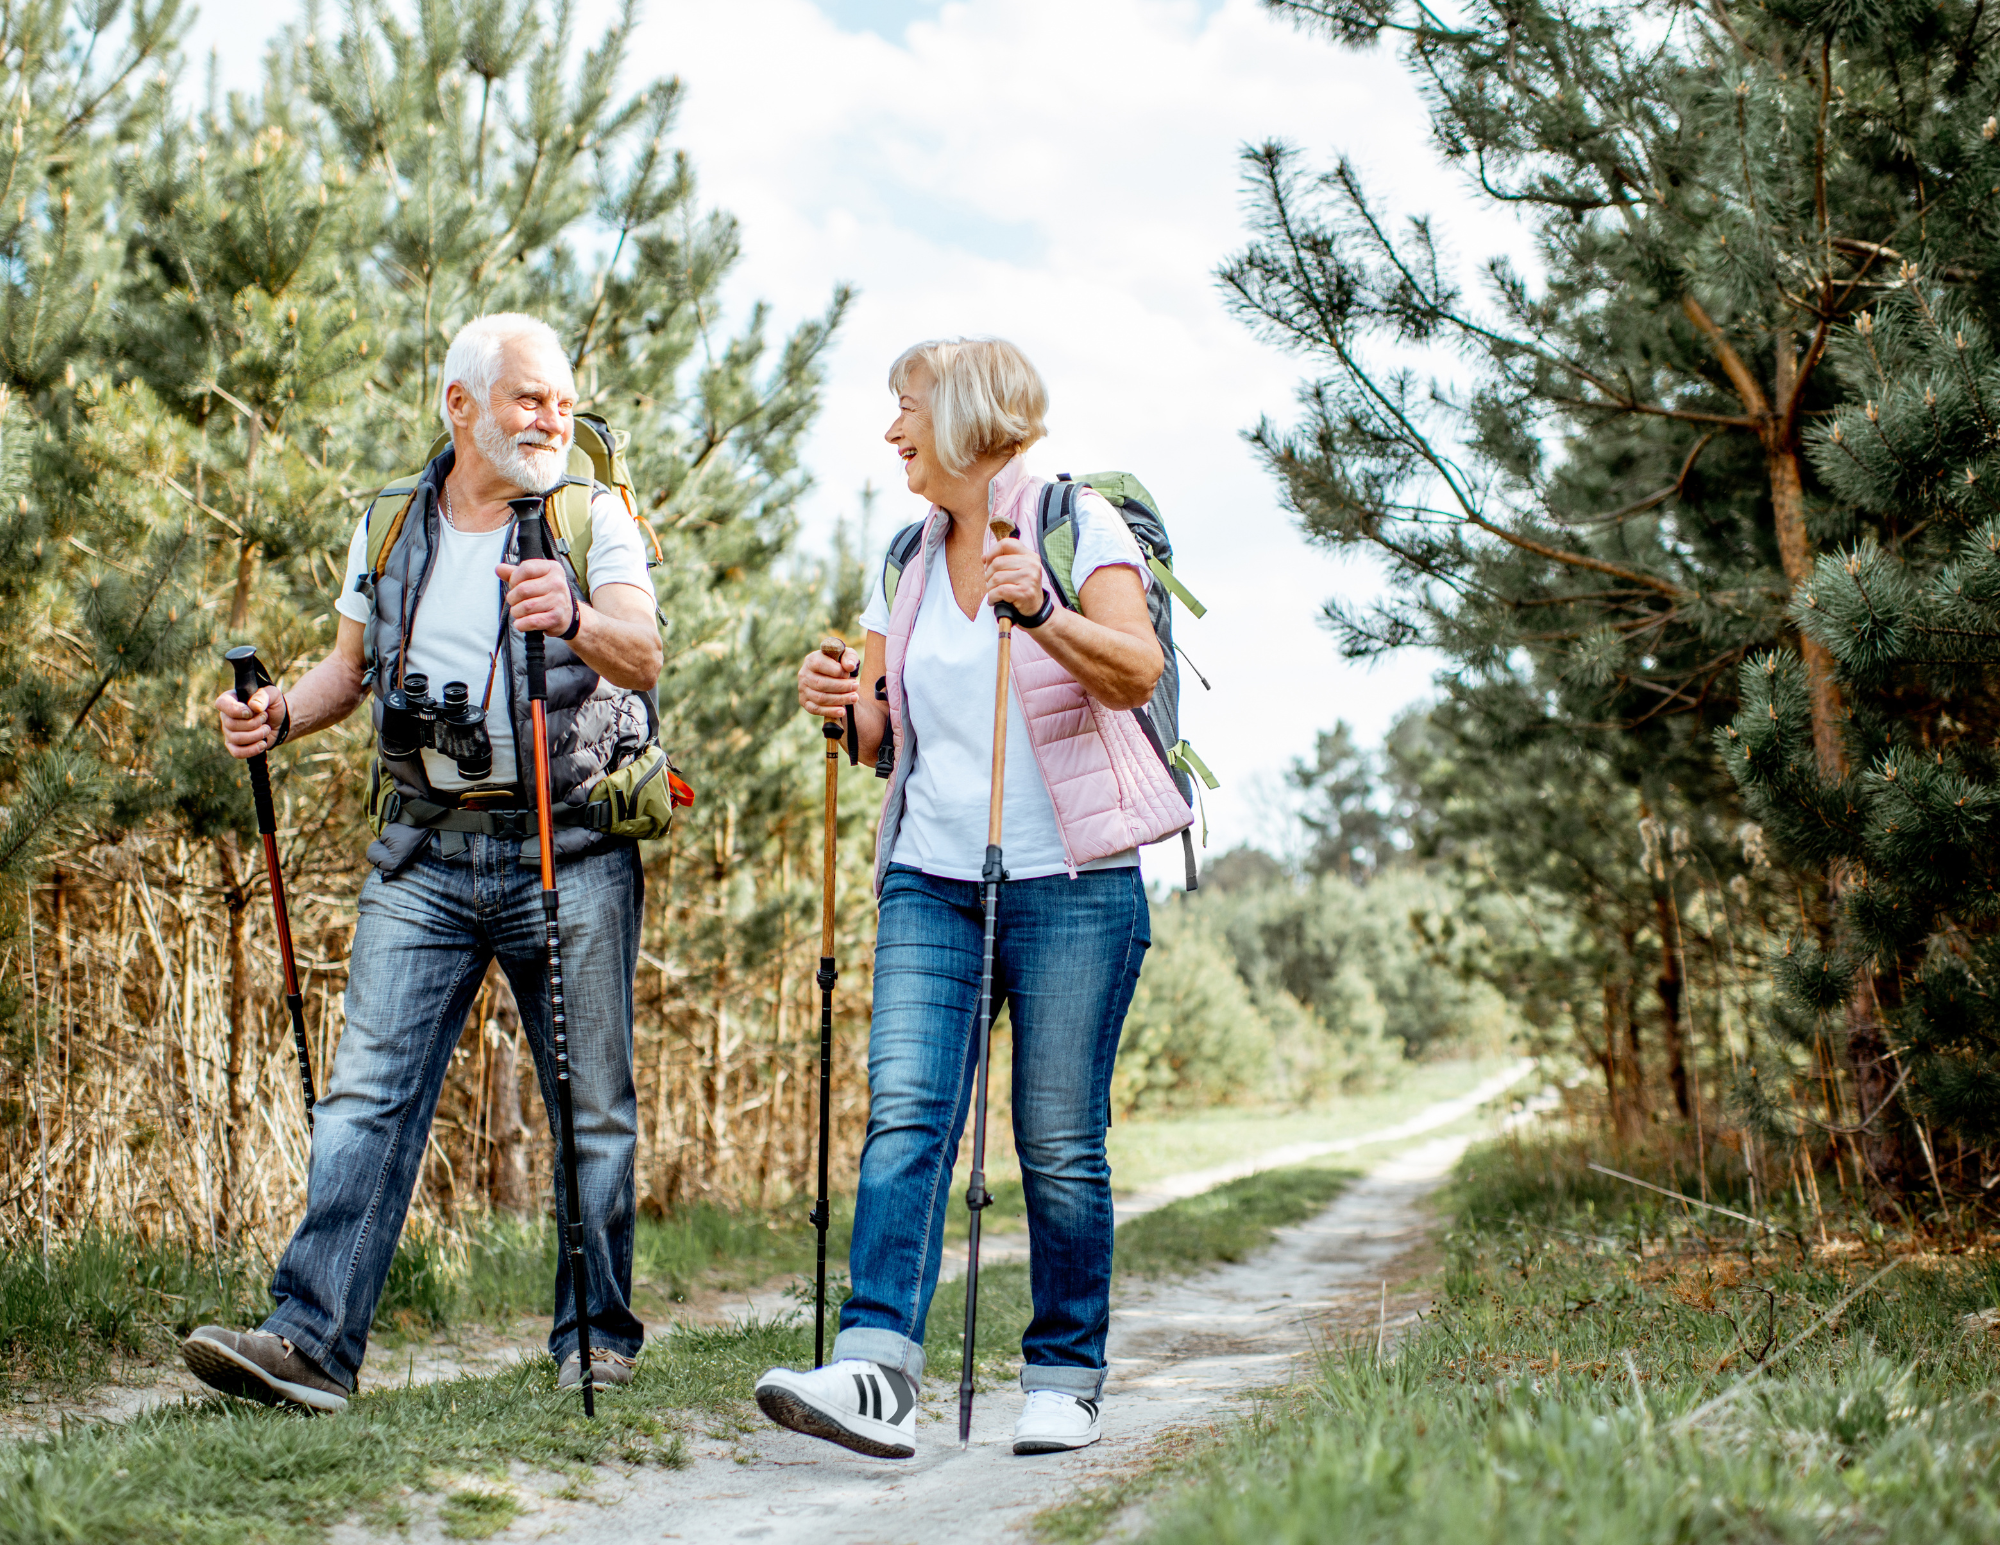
x=421, y=947
x=1066, y=961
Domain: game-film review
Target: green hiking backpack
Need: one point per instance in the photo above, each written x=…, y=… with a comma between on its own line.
x=1056, y=541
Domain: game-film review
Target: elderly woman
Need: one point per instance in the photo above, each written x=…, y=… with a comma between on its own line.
x=1073, y=922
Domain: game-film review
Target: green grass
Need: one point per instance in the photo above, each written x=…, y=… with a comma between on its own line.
x=1230, y=1223
x=221, y=1470
x=1543, y=1398
x=476, y=1515
x=101, y=1297
x=1004, y=1312
x=1146, y=1152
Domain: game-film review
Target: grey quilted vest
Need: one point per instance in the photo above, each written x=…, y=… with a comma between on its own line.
x=594, y=727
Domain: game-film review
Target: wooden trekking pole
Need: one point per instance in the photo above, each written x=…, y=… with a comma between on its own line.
x=835, y=650
x=528, y=518
x=977, y=1198
x=250, y=675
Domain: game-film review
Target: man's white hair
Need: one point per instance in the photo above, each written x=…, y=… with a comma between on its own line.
x=473, y=360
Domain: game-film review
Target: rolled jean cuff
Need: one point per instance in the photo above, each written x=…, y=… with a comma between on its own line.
x=1084, y=1383
x=881, y=1346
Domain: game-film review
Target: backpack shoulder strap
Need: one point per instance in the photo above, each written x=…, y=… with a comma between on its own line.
x=902, y=548
x=1056, y=536
x=569, y=515
x=382, y=534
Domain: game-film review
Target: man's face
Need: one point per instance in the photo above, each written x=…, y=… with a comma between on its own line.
x=528, y=426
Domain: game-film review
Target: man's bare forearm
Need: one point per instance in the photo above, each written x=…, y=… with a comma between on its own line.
x=619, y=637
x=325, y=695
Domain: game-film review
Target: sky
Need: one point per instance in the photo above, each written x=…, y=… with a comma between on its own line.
x=1065, y=174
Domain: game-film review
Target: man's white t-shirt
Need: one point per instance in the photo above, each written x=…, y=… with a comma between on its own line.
x=948, y=678
x=458, y=623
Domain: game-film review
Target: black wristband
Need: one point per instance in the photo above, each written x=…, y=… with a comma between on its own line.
x=575, y=616
x=1042, y=616
x=284, y=729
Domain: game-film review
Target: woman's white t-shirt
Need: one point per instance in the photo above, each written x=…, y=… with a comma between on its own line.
x=458, y=624
x=948, y=678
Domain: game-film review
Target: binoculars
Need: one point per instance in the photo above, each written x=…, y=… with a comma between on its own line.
x=412, y=720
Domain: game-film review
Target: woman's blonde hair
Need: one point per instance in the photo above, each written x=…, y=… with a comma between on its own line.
x=985, y=397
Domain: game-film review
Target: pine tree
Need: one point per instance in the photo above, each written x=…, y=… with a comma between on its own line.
x=1598, y=506
x=1350, y=836
x=1910, y=613
x=220, y=333
x=99, y=593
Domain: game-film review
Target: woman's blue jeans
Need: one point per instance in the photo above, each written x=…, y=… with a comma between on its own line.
x=421, y=947
x=1066, y=961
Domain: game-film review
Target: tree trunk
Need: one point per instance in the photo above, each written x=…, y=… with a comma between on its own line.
x=1788, y=507
x=508, y=1188
x=1670, y=987
x=1614, y=1072
x=1892, y=1171
x=1882, y=1147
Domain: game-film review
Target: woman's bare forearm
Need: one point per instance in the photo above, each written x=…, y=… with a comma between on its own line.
x=1108, y=663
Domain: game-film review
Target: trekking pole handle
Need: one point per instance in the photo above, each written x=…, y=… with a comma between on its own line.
x=1002, y=528
x=834, y=647
x=528, y=521
x=250, y=675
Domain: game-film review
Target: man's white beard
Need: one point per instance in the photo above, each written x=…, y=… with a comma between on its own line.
x=530, y=471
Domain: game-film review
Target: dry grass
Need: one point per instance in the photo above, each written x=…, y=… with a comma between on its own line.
x=153, y=1090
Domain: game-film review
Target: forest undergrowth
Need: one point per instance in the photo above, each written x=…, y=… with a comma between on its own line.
x=1602, y=1363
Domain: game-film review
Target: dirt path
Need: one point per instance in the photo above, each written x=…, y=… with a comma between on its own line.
x=1181, y=1354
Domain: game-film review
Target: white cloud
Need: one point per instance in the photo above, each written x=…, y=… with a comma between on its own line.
x=1064, y=173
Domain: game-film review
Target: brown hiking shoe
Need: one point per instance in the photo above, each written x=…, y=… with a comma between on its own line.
x=256, y=1365
x=606, y=1367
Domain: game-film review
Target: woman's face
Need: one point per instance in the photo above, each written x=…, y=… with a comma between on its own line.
x=915, y=438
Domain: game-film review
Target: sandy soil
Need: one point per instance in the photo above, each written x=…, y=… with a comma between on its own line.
x=1182, y=1355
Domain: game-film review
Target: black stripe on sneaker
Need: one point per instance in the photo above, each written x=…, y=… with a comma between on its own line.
x=1088, y=1405
x=860, y=1395
x=905, y=1392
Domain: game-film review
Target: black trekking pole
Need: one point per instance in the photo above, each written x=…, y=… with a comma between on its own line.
x=829, y=973
x=528, y=517
x=250, y=675
x=977, y=1198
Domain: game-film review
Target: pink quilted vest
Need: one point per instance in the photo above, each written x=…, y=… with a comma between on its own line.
x=1108, y=785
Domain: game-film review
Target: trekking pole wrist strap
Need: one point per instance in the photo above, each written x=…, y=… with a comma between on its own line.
x=1048, y=610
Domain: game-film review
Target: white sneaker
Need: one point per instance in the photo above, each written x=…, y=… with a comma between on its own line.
x=855, y=1403
x=1052, y=1421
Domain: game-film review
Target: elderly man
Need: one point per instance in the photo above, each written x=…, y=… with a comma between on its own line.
x=456, y=868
